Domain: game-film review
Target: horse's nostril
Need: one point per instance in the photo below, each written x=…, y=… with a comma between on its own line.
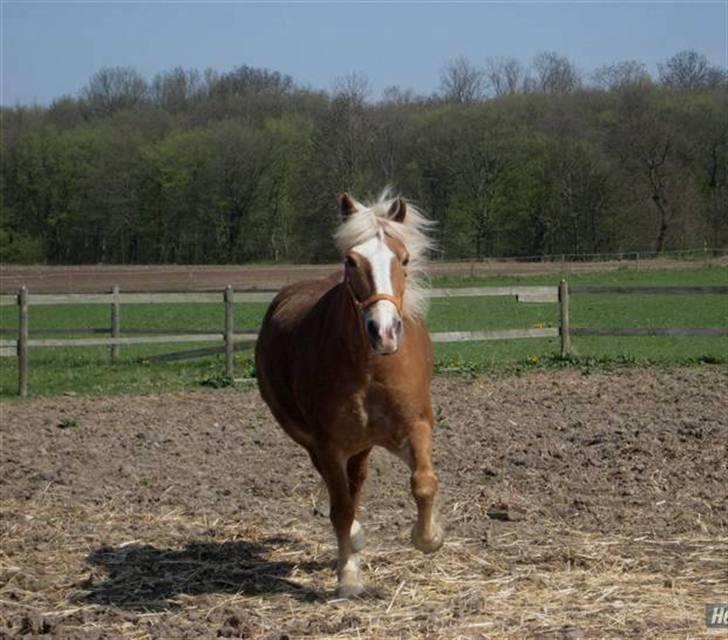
x=372, y=329
x=398, y=326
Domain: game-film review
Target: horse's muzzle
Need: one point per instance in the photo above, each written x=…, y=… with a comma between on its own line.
x=384, y=339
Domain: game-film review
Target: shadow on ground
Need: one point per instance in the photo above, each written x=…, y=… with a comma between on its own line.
x=142, y=577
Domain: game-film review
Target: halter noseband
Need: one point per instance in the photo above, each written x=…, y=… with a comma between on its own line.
x=363, y=305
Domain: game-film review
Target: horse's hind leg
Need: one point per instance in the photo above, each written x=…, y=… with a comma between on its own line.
x=427, y=534
x=333, y=469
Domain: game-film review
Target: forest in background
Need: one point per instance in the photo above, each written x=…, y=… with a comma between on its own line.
x=245, y=166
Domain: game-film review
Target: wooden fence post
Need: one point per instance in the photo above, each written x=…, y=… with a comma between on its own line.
x=565, y=321
x=23, y=341
x=115, y=321
x=229, y=330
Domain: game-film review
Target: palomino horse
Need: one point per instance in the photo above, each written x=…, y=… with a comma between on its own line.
x=345, y=363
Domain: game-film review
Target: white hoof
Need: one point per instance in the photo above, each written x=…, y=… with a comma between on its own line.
x=350, y=583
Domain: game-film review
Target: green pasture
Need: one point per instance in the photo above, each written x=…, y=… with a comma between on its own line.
x=88, y=370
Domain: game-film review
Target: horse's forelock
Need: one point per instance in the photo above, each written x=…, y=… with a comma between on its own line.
x=371, y=219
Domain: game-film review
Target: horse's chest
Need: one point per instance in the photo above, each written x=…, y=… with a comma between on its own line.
x=375, y=415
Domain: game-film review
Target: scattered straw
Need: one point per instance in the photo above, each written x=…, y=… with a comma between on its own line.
x=252, y=581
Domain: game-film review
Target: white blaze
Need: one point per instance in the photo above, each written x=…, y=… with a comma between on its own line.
x=379, y=255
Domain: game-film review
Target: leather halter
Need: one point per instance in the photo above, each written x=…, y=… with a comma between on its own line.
x=363, y=305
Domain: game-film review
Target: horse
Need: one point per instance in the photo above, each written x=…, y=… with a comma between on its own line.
x=345, y=364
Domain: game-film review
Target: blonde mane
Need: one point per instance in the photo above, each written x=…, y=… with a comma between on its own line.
x=366, y=223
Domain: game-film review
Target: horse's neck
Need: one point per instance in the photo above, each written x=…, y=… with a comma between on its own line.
x=344, y=328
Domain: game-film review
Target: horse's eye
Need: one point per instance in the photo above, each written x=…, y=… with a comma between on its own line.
x=405, y=261
x=350, y=262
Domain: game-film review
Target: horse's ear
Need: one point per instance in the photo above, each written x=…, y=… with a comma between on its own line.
x=347, y=205
x=398, y=210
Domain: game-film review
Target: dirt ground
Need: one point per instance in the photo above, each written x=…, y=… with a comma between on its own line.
x=101, y=278
x=577, y=506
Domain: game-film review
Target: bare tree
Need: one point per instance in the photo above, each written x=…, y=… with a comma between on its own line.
x=344, y=140
x=619, y=75
x=656, y=172
x=353, y=87
x=114, y=88
x=395, y=95
x=504, y=75
x=644, y=143
x=461, y=81
x=173, y=89
x=210, y=78
x=555, y=73
x=690, y=70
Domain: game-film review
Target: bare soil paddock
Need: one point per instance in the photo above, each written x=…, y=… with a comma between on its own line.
x=94, y=279
x=577, y=506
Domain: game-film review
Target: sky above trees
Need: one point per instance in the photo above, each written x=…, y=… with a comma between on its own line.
x=51, y=49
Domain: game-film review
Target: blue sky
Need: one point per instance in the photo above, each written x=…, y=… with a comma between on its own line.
x=51, y=48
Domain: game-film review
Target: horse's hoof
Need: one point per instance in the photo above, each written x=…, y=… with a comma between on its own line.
x=428, y=544
x=349, y=590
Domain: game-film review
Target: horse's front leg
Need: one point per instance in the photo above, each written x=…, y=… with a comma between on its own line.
x=333, y=469
x=427, y=533
x=356, y=470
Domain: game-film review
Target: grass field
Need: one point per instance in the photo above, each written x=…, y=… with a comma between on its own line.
x=62, y=370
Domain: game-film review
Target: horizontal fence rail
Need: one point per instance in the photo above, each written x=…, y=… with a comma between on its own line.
x=236, y=340
x=530, y=294
x=502, y=334
x=109, y=342
x=107, y=330
x=650, y=331
x=522, y=294
x=137, y=298
x=662, y=291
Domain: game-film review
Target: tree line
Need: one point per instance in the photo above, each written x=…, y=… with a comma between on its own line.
x=510, y=160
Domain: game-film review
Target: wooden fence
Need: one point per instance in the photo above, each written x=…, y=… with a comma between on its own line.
x=230, y=338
